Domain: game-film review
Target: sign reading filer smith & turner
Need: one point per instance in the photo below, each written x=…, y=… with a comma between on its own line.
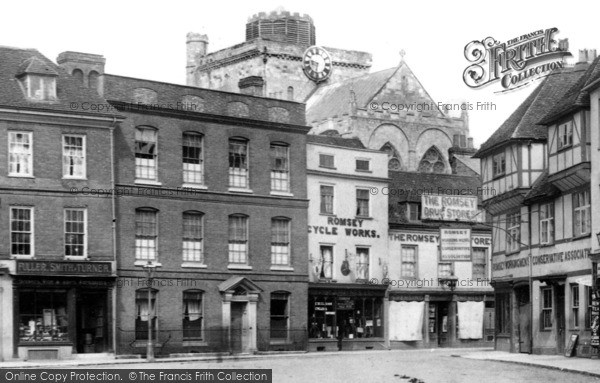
x=64, y=268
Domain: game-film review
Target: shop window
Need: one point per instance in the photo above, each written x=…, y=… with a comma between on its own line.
x=43, y=315
x=409, y=262
x=503, y=311
x=362, y=202
x=193, y=315
x=513, y=232
x=280, y=167
x=362, y=270
x=499, y=165
x=355, y=317
x=75, y=232
x=326, y=199
x=479, y=263
x=20, y=154
x=146, y=234
x=74, y=156
x=145, y=153
x=546, y=321
x=193, y=237
x=326, y=267
x=565, y=135
x=575, y=306
x=280, y=315
x=581, y=213
x=280, y=241
x=145, y=313
x=238, y=239
x=193, y=158
x=547, y=223
x=326, y=161
x=238, y=163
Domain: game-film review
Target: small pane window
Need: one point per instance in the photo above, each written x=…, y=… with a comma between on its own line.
x=238, y=163
x=326, y=161
x=280, y=168
x=238, y=239
x=145, y=154
x=73, y=156
x=75, y=230
x=20, y=154
x=326, y=199
x=193, y=162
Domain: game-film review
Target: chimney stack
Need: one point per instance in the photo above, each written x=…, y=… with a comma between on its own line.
x=252, y=85
x=196, y=47
x=86, y=67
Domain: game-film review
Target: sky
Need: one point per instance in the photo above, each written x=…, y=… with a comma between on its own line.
x=146, y=39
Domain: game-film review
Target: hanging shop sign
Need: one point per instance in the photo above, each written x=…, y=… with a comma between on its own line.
x=455, y=244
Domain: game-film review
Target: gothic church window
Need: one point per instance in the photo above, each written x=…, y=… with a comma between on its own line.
x=432, y=162
x=394, y=161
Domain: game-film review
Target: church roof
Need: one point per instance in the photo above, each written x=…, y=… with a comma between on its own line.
x=523, y=123
x=351, y=143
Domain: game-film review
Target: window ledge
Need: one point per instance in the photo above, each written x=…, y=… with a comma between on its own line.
x=144, y=343
x=282, y=268
x=282, y=194
x=75, y=178
x=328, y=167
x=196, y=265
x=195, y=186
x=189, y=343
x=145, y=262
x=233, y=266
x=280, y=341
x=363, y=217
x=77, y=258
x=240, y=190
x=580, y=236
x=13, y=256
x=363, y=171
x=547, y=244
x=21, y=175
x=147, y=182
x=328, y=214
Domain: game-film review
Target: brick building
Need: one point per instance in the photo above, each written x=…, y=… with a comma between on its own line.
x=57, y=255
x=538, y=164
x=211, y=193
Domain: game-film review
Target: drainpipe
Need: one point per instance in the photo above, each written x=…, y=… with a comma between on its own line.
x=114, y=233
x=530, y=259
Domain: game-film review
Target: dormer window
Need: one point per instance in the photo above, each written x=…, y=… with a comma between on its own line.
x=41, y=88
x=39, y=79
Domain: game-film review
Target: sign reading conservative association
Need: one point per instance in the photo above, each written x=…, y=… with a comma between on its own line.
x=449, y=208
x=455, y=244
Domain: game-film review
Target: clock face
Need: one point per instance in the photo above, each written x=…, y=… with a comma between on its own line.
x=316, y=63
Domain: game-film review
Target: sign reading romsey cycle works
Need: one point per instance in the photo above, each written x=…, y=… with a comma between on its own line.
x=455, y=244
x=516, y=62
x=449, y=208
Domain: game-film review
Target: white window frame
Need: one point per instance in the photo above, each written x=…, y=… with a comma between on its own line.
x=85, y=233
x=450, y=269
x=138, y=165
x=231, y=243
x=83, y=157
x=513, y=233
x=368, y=194
x=45, y=81
x=187, y=260
x=139, y=260
x=415, y=262
x=323, y=262
x=193, y=175
x=321, y=200
x=281, y=249
x=28, y=154
x=484, y=250
x=546, y=310
x=581, y=213
x=547, y=223
x=575, y=305
x=238, y=174
x=565, y=135
x=31, y=232
x=363, y=262
x=499, y=165
x=280, y=178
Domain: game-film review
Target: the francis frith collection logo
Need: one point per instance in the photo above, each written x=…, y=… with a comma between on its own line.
x=516, y=62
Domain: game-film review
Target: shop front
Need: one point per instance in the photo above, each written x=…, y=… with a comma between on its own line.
x=61, y=309
x=352, y=316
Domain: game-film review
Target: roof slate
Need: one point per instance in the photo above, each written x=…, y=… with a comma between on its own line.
x=541, y=189
x=352, y=143
x=523, y=122
x=69, y=92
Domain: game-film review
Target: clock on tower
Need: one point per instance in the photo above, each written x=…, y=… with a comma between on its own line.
x=316, y=63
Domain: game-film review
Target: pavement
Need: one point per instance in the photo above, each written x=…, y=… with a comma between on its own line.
x=590, y=367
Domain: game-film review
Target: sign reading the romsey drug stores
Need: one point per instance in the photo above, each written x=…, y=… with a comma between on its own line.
x=455, y=244
x=63, y=268
x=449, y=207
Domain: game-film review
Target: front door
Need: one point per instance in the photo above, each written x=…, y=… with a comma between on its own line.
x=524, y=314
x=92, y=322
x=239, y=330
x=443, y=334
x=560, y=319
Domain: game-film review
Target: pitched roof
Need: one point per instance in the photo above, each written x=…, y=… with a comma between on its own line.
x=409, y=186
x=334, y=99
x=523, y=122
x=577, y=96
x=470, y=162
x=541, y=189
x=17, y=61
x=352, y=143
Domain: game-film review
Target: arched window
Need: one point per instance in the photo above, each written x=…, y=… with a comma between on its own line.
x=394, y=161
x=432, y=162
x=78, y=75
x=290, y=93
x=93, y=79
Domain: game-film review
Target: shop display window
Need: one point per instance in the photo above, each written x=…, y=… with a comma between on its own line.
x=354, y=317
x=43, y=316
